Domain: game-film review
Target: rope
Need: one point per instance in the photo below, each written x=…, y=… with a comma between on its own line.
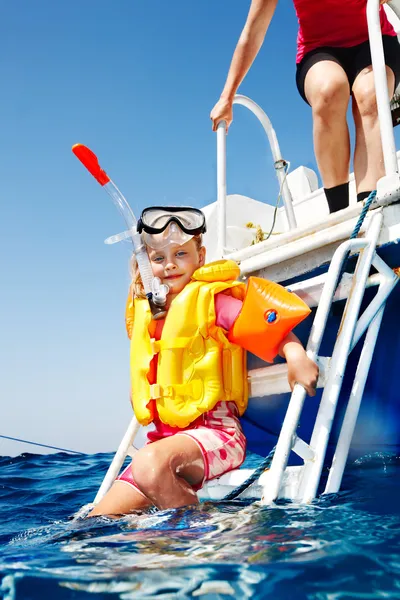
x=266, y=463
x=13, y=439
x=363, y=214
x=261, y=236
x=356, y=230
x=263, y=466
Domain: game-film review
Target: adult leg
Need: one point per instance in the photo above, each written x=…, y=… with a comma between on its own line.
x=368, y=155
x=327, y=91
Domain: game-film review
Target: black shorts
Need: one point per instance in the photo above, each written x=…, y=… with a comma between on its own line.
x=353, y=60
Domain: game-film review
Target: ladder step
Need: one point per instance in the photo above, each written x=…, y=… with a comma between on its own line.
x=216, y=489
x=268, y=381
x=310, y=290
x=302, y=449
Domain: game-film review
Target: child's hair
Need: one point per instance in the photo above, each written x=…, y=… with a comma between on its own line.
x=137, y=289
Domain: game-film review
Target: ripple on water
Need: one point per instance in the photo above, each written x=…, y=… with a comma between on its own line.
x=340, y=547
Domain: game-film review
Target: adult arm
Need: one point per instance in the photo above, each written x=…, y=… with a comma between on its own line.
x=248, y=46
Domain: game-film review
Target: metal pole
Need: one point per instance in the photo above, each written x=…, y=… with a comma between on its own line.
x=288, y=431
x=381, y=87
x=276, y=153
x=323, y=423
x=118, y=459
x=221, y=188
x=353, y=406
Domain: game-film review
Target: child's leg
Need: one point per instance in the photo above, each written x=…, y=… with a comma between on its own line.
x=164, y=471
x=121, y=499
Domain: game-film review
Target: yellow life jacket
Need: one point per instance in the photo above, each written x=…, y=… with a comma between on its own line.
x=197, y=365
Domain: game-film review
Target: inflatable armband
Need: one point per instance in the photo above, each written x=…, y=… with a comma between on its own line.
x=268, y=314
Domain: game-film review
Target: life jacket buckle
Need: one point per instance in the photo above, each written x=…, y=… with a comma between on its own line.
x=155, y=391
x=155, y=346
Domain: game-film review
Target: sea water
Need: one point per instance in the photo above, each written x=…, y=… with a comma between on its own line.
x=340, y=547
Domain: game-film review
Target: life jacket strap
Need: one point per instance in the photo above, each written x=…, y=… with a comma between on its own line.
x=158, y=345
x=193, y=389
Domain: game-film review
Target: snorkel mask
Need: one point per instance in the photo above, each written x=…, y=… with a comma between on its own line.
x=161, y=226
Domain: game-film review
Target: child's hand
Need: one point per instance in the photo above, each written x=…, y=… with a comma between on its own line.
x=304, y=371
x=301, y=369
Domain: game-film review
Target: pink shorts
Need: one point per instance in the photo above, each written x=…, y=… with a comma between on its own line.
x=218, y=434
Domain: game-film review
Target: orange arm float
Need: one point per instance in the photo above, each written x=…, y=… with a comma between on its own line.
x=268, y=314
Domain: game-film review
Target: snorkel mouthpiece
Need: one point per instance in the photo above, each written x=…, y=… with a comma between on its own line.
x=160, y=291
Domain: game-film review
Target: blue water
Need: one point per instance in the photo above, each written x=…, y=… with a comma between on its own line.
x=341, y=547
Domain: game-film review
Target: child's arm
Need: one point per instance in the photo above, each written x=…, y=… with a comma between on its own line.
x=301, y=369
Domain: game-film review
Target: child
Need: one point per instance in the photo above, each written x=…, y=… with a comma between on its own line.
x=195, y=388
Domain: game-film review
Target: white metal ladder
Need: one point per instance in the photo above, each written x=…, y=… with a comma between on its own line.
x=351, y=330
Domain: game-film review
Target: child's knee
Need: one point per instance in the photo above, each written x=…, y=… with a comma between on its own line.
x=148, y=468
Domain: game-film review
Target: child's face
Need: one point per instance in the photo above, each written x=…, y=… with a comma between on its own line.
x=175, y=264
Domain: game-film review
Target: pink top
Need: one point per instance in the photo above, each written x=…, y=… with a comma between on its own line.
x=227, y=309
x=340, y=23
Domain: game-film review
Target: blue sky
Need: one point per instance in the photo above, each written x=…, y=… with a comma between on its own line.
x=135, y=81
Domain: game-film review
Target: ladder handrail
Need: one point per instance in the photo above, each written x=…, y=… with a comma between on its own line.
x=323, y=423
x=221, y=190
x=353, y=406
x=290, y=423
x=292, y=417
x=388, y=281
x=381, y=87
x=118, y=460
x=276, y=154
x=221, y=169
x=371, y=319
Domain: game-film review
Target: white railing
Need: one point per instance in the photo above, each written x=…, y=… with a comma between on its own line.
x=221, y=189
x=351, y=330
x=330, y=396
x=279, y=165
x=124, y=449
x=381, y=87
x=349, y=422
x=389, y=185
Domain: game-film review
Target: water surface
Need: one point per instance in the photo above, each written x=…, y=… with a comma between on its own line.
x=340, y=547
